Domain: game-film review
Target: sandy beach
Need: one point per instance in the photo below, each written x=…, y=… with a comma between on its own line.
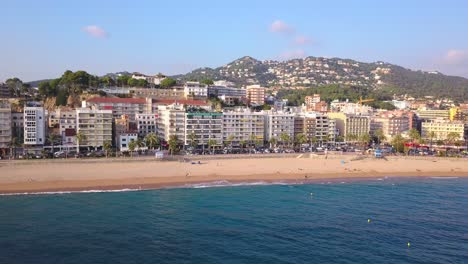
x=102, y=174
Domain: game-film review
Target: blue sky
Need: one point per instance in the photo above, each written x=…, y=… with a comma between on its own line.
x=42, y=39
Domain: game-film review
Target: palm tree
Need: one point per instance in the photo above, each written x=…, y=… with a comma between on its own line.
x=211, y=144
x=285, y=139
x=273, y=141
x=107, y=147
x=380, y=136
x=14, y=143
x=229, y=140
x=351, y=138
x=398, y=143
x=152, y=140
x=193, y=140
x=242, y=144
x=300, y=139
x=252, y=140
x=314, y=141
x=79, y=138
x=131, y=147
x=364, y=138
x=451, y=138
x=414, y=135
x=52, y=138
x=431, y=135
x=173, y=141
x=140, y=144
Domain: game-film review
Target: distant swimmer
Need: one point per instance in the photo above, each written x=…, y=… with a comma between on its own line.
x=409, y=244
x=311, y=194
x=368, y=220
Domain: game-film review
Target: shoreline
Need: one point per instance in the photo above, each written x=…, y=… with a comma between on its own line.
x=222, y=183
x=55, y=177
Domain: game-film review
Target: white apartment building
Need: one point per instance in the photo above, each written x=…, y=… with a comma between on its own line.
x=242, y=124
x=171, y=121
x=34, y=124
x=125, y=139
x=442, y=128
x=227, y=91
x=151, y=79
x=5, y=124
x=95, y=125
x=350, y=108
x=203, y=126
x=195, y=89
x=146, y=124
x=277, y=123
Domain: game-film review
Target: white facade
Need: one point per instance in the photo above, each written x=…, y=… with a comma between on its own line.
x=156, y=79
x=125, y=139
x=242, y=124
x=34, y=125
x=204, y=126
x=277, y=123
x=95, y=125
x=195, y=89
x=350, y=108
x=442, y=128
x=171, y=121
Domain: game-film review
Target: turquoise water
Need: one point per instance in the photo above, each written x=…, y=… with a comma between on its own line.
x=244, y=224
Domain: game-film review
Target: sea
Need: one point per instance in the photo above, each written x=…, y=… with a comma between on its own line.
x=383, y=220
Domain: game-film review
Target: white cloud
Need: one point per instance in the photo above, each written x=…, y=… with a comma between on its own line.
x=456, y=57
x=302, y=40
x=95, y=31
x=279, y=26
x=292, y=54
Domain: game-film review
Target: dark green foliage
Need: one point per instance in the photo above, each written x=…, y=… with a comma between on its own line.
x=142, y=83
x=107, y=81
x=207, y=81
x=46, y=90
x=62, y=97
x=123, y=80
x=167, y=82
x=132, y=82
x=14, y=85
x=398, y=79
x=420, y=84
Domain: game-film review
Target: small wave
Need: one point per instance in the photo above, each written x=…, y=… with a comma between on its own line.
x=444, y=178
x=222, y=184
x=234, y=184
x=68, y=192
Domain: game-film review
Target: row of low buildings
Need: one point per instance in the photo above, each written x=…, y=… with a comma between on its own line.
x=252, y=94
x=120, y=120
